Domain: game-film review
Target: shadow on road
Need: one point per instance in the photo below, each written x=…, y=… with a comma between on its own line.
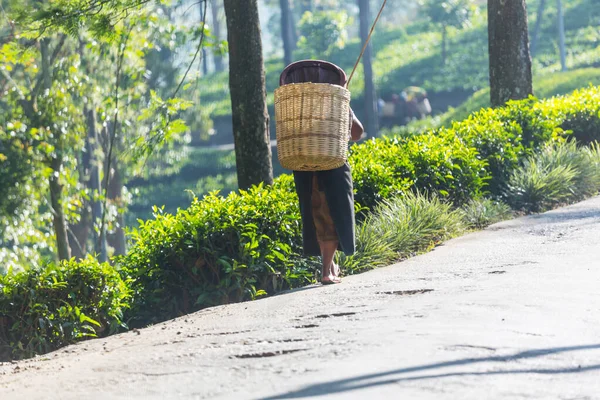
x=566, y=215
x=393, y=376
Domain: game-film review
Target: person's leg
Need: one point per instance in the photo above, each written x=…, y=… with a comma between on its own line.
x=330, y=271
x=326, y=234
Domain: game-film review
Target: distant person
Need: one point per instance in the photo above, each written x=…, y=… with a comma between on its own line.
x=418, y=106
x=380, y=107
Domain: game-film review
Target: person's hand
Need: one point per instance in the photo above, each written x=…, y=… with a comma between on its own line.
x=357, y=132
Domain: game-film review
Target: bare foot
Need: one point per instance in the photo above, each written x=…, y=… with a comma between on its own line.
x=332, y=276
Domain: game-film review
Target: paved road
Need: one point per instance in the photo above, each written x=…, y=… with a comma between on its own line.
x=508, y=313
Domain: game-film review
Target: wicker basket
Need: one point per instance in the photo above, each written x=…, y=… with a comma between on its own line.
x=313, y=126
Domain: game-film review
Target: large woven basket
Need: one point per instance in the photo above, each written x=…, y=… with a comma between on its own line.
x=313, y=126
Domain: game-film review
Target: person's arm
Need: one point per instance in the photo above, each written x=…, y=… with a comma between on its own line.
x=357, y=130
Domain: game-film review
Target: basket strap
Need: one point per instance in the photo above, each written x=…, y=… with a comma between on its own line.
x=366, y=43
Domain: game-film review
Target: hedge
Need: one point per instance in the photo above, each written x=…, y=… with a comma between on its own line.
x=41, y=310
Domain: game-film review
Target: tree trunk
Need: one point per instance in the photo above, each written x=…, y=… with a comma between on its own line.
x=216, y=22
x=92, y=145
x=444, y=43
x=370, y=95
x=537, y=27
x=81, y=230
x=56, y=189
x=561, y=36
x=205, y=63
x=56, y=201
x=510, y=61
x=248, y=94
x=115, y=194
x=286, y=31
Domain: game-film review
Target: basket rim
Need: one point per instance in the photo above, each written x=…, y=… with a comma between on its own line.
x=328, y=85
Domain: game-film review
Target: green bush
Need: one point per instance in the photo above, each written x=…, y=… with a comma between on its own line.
x=497, y=142
x=432, y=162
x=219, y=250
x=42, y=310
x=558, y=174
x=504, y=136
x=579, y=113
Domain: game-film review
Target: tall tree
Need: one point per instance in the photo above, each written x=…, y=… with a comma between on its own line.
x=216, y=31
x=56, y=161
x=510, y=60
x=538, y=26
x=370, y=95
x=561, y=35
x=248, y=94
x=287, y=31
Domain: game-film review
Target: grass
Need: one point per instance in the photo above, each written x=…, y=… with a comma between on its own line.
x=480, y=213
x=558, y=174
x=400, y=228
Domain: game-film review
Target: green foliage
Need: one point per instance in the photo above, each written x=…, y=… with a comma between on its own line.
x=373, y=248
x=482, y=212
x=220, y=250
x=558, y=174
x=432, y=162
x=415, y=223
x=321, y=32
x=497, y=142
x=448, y=13
x=502, y=137
x=580, y=114
x=17, y=168
x=72, y=16
x=42, y=310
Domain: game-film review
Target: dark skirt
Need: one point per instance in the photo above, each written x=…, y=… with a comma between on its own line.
x=337, y=185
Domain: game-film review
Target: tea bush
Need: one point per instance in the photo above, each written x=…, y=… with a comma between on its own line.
x=545, y=86
x=432, y=162
x=42, y=310
x=504, y=136
x=219, y=250
x=497, y=142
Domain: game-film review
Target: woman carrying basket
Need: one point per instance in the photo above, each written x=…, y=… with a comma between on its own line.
x=326, y=197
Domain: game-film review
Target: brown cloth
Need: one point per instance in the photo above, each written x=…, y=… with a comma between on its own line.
x=326, y=197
